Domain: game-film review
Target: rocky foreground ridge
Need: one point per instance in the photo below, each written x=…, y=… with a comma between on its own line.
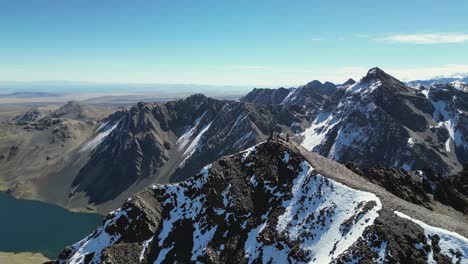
x=274, y=203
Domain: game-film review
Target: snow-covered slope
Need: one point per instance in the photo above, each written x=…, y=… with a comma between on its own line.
x=449, y=242
x=380, y=120
x=265, y=205
x=458, y=80
x=451, y=117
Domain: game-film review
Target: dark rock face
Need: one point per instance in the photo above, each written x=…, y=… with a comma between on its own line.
x=134, y=149
x=418, y=187
x=407, y=186
x=452, y=191
x=266, y=96
x=266, y=204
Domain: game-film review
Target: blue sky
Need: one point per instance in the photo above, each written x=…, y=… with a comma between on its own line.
x=258, y=43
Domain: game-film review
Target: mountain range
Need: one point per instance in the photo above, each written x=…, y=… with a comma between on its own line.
x=458, y=80
x=380, y=120
x=98, y=162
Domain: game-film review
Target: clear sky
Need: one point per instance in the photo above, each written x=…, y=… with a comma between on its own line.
x=242, y=42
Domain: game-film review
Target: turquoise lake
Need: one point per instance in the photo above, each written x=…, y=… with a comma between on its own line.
x=32, y=226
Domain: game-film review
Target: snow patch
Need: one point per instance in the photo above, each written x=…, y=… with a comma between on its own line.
x=449, y=241
x=315, y=134
x=246, y=153
x=188, y=134
x=345, y=138
x=103, y=131
x=96, y=241
x=364, y=88
x=290, y=97
x=286, y=156
x=332, y=214
x=200, y=240
x=194, y=145
x=145, y=247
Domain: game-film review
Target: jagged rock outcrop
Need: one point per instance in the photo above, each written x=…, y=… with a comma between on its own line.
x=420, y=187
x=31, y=115
x=271, y=203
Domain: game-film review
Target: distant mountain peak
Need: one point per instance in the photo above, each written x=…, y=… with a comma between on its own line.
x=72, y=103
x=375, y=72
x=196, y=96
x=71, y=107
x=326, y=88
x=314, y=83
x=378, y=74
x=350, y=81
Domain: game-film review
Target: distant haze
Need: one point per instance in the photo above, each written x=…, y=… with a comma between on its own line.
x=85, y=87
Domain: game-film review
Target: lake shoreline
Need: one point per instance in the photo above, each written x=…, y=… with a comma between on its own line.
x=22, y=257
x=85, y=210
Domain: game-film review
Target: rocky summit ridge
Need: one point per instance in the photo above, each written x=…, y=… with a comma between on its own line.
x=277, y=203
